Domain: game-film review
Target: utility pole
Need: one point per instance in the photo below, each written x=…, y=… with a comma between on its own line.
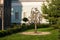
x=2, y=20
x=2, y=12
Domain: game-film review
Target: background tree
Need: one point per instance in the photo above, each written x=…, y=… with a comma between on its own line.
x=53, y=10
x=25, y=19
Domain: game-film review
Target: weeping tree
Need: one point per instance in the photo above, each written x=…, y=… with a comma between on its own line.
x=53, y=10
x=34, y=17
x=35, y=20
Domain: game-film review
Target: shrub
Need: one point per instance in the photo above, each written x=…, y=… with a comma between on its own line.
x=42, y=25
x=24, y=26
x=56, y=26
x=3, y=33
x=9, y=31
x=25, y=19
x=31, y=26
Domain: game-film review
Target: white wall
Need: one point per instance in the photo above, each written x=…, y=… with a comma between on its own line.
x=27, y=6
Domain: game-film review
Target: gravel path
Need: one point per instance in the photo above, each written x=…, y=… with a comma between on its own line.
x=38, y=33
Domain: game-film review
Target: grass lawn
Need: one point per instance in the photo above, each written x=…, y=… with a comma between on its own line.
x=18, y=36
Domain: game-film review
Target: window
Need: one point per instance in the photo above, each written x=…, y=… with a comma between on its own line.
x=16, y=15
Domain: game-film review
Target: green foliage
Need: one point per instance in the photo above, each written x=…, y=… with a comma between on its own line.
x=53, y=11
x=15, y=29
x=44, y=9
x=10, y=31
x=25, y=19
x=32, y=26
x=43, y=25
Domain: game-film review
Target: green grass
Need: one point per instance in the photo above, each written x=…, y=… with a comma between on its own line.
x=40, y=29
x=17, y=36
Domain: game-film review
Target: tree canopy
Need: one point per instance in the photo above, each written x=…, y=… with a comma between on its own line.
x=53, y=10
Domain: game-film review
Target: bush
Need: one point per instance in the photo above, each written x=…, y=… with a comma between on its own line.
x=24, y=27
x=16, y=29
x=56, y=26
x=32, y=26
x=25, y=19
x=3, y=33
x=15, y=25
x=43, y=25
x=9, y=31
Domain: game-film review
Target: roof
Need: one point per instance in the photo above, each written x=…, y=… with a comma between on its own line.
x=30, y=0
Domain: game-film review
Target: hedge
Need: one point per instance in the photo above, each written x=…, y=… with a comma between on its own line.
x=13, y=30
x=9, y=31
x=19, y=29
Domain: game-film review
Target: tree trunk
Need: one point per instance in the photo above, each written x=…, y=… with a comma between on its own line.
x=35, y=28
x=35, y=23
